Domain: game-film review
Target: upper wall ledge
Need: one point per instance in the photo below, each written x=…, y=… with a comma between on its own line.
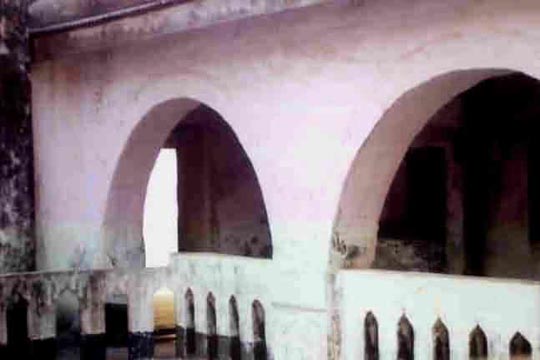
x=123, y=19
x=62, y=15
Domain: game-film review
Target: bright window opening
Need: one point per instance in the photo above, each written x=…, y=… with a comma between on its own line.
x=160, y=226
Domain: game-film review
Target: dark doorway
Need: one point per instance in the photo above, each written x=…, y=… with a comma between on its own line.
x=17, y=328
x=116, y=324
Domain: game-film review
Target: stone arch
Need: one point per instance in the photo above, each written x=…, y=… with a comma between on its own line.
x=235, y=349
x=122, y=226
x=354, y=234
x=478, y=348
x=371, y=337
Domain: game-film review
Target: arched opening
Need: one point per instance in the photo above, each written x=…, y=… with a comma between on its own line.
x=520, y=347
x=190, y=340
x=219, y=204
x=116, y=325
x=478, y=344
x=211, y=327
x=447, y=181
x=259, y=331
x=371, y=337
x=405, y=338
x=164, y=324
x=464, y=195
x=235, y=346
x=17, y=327
x=441, y=341
x=68, y=326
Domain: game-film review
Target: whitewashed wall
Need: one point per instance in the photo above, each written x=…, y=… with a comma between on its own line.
x=301, y=89
x=223, y=276
x=500, y=307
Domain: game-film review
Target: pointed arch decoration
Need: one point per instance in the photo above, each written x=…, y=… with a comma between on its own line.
x=371, y=337
x=190, y=340
x=478, y=344
x=405, y=337
x=441, y=341
x=211, y=326
x=235, y=349
x=259, y=331
x=520, y=346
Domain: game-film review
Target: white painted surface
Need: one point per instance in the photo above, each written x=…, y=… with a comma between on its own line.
x=500, y=307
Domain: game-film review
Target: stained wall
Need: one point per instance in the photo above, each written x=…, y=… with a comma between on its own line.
x=302, y=90
x=17, y=240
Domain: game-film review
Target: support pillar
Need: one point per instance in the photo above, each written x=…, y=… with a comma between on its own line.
x=141, y=319
x=42, y=322
x=93, y=342
x=17, y=252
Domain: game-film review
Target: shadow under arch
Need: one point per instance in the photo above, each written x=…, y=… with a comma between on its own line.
x=123, y=221
x=370, y=175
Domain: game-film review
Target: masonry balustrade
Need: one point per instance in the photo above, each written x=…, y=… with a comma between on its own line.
x=397, y=315
x=219, y=306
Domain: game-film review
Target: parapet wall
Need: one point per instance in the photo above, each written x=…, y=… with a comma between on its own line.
x=504, y=312
x=202, y=275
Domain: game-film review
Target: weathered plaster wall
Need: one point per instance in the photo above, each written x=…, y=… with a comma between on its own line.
x=17, y=246
x=301, y=89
